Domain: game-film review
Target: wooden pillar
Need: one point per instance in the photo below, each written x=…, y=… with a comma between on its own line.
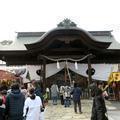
x=89, y=70
x=65, y=74
x=89, y=75
x=44, y=74
x=42, y=62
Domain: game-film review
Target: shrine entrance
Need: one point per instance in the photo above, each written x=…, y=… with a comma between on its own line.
x=66, y=42
x=61, y=78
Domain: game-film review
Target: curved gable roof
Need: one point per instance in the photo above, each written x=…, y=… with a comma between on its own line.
x=85, y=37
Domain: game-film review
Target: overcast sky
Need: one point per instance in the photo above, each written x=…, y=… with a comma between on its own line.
x=44, y=15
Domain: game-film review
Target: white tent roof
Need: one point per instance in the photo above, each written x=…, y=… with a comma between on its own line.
x=102, y=71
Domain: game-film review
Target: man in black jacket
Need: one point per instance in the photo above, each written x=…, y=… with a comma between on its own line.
x=99, y=107
x=76, y=92
x=14, y=103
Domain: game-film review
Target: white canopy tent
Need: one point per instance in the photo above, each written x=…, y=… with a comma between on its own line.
x=102, y=71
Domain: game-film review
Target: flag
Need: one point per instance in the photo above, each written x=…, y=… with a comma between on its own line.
x=114, y=77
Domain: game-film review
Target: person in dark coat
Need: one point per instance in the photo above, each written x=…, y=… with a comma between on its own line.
x=99, y=107
x=3, y=93
x=76, y=92
x=2, y=110
x=38, y=90
x=15, y=103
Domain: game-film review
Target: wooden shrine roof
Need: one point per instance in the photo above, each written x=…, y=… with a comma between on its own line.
x=67, y=40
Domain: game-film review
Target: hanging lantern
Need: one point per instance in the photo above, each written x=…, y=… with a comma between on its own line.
x=58, y=65
x=76, y=66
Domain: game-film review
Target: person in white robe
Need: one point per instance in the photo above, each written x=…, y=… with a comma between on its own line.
x=32, y=106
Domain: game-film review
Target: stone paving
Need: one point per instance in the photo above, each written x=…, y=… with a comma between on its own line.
x=59, y=112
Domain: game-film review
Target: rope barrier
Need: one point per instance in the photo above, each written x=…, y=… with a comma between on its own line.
x=66, y=59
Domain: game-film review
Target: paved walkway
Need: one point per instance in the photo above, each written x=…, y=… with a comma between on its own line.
x=59, y=112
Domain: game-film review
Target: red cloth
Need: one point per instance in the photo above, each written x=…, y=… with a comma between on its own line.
x=4, y=99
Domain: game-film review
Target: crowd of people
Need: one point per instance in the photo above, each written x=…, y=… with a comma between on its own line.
x=67, y=93
x=18, y=103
